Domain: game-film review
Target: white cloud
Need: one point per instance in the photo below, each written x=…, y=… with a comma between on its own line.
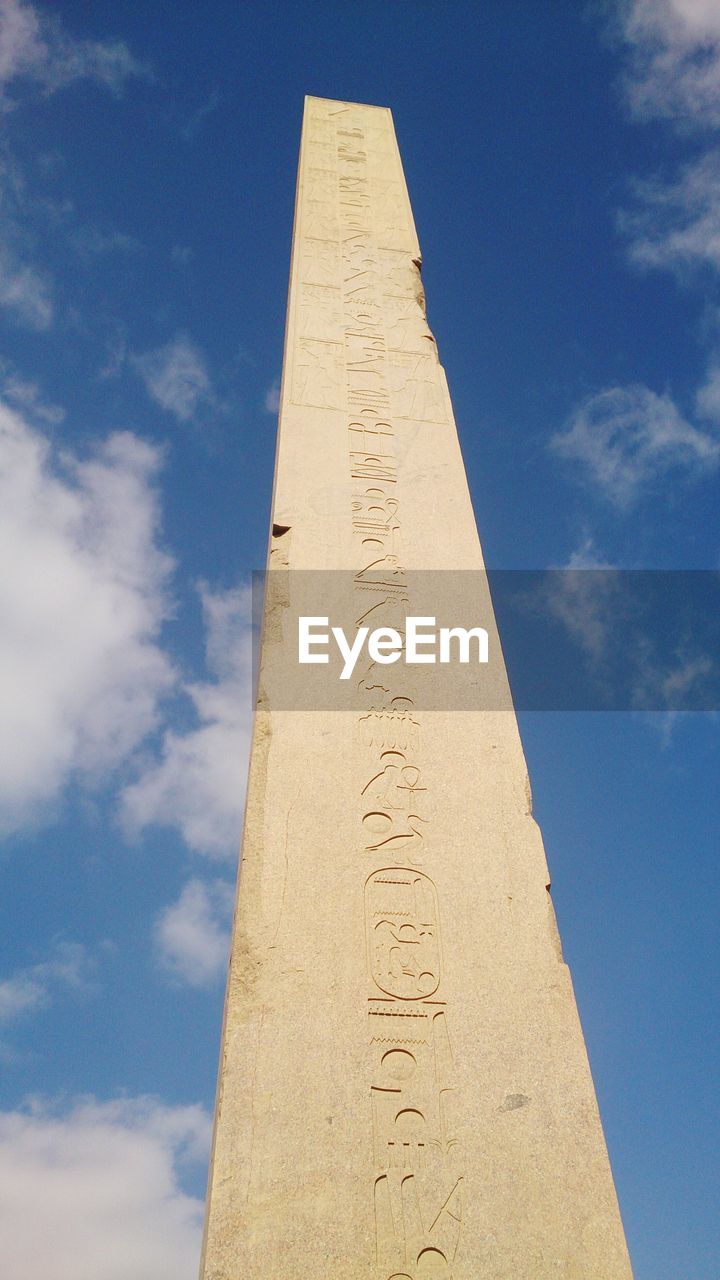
x=82, y=597
x=193, y=934
x=96, y=1193
x=674, y=74
x=627, y=438
x=587, y=556
x=197, y=786
x=175, y=377
x=676, y=224
x=588, y=600
x=675, y=68
x=33, y=987
x=34, y=47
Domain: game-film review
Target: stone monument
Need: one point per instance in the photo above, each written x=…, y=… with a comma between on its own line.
x=404, y=1091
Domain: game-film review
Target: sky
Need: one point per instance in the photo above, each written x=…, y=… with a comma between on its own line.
x=563, y=162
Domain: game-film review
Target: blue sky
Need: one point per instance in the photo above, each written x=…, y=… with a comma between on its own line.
x=564, y=169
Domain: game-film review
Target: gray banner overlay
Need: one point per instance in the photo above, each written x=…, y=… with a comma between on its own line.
x=572, y=639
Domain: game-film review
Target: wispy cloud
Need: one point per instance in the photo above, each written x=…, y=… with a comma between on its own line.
x=193, y=934
x=33, y=987
x=643, y=652
x=93, y=242
x=36, y=49
x=175, y=377
x=675, y=224
x=674, y=70
x=83, y=592
x=116, y=352
x=707, y=397
x=37, y=55
x=97, y=1190
x=673, y=74
x=25, y=289
x=272, y=397
x=625, y=439
x=27, y=397
x=585, y=601
x=197, y=785
x=181, y=254
x=24, y=292
x=195, y=122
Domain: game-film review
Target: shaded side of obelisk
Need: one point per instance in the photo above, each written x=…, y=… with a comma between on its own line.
x=404, y=1092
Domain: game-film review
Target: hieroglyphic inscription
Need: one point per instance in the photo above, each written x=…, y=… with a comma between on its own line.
x=374, y=331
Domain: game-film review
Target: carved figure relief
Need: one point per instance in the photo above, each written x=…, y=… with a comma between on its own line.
x=393, y=234
x=320, y=130
x=400, y=274
x=390, y=214
x=321, y=185
x=416, y=391
x=322, y=153
x=319, y=313
x=380, y=151
x=407, y=328
x=318, y=374
x=320, y=221
x=320, y=262
x=388, y=193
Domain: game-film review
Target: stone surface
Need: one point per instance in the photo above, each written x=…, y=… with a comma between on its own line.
x=404, y=1090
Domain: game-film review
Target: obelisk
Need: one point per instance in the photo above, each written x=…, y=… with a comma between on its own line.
x=404, y=1091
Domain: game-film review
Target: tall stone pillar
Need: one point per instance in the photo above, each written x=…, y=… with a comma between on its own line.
x=404, y=1090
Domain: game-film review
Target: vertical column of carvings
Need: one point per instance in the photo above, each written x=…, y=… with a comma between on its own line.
x=318, y=378
x=415, y=1186
x=417, y=390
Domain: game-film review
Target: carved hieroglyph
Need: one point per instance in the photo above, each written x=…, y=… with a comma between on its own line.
x=404, y=1092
